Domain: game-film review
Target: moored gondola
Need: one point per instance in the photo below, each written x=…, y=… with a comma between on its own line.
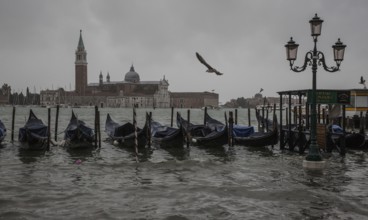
x=34, y=134
x=166, y=136
x=213, y=133
x=124, y=134
x=2, y=131
x=78, y=134
x=260, y=139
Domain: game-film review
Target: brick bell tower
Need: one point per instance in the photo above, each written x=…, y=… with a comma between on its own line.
x=80, y=68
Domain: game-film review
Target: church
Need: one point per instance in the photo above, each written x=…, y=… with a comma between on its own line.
x=128, y=92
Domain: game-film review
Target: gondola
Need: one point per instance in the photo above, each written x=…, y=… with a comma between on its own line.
x=34, y=134
x=78, y=134
x=124, y=134
x=213, y=133
x=2, y=131
x=165, y=136
x=260, y=139
x=353, y=140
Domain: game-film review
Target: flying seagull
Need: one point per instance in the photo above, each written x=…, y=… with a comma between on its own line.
x=362, y=81
x=210, y=68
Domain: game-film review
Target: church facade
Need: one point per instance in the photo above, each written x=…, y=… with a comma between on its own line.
x=128, y=92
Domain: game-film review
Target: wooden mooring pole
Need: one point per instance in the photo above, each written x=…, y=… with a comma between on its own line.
x=99, y=129
x=172, y=116
x=188, y=132
x=149, y=134
x=56, y=121
x=96, y=111
x=48, y=128
x=231, y=124
x=12, y=126
x=135, y=134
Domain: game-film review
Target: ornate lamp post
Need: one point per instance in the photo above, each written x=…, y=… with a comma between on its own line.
x=312, y=58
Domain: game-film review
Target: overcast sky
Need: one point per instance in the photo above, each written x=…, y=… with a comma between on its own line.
x=244, y=39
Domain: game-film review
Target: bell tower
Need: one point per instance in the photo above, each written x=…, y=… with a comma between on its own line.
x=80, y=68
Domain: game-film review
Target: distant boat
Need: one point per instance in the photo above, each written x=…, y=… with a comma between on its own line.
x=2, y=131
x=78, y=134
x=34, y=134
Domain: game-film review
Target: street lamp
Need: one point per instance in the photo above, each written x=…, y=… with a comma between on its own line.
x=312, y=58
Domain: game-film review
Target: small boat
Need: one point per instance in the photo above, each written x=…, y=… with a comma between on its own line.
x=34, y=134
x=260, y=139
x=213, y=133
x=353, y=140
x=2, y=131
x=78, y=134
x=166, y=136
x=124, y=134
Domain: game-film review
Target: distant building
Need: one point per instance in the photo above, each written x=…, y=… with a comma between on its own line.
x=194, y=99
x=126, y=93
x=5, y=92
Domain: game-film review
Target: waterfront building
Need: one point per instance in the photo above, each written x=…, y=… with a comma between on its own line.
x=125, y=93
x=5, y=92
x=194, y=99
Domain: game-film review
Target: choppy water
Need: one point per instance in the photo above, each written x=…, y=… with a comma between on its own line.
x=194, y=183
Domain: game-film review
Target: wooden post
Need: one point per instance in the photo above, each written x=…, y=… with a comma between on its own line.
x=188, y=132
x=56, y=121
x=96, y=110
x=281, y=132
x=266, y=119
x=231, y=124
x=205, y=113
x=343, y=118
x=236, y=116
x=249, y=119
x=149, y=129
x=135, y=133
x=263, y=117
x=48, y=128
x=12, y=127
x=361, y=123
x=99, y=129
x=172, y=116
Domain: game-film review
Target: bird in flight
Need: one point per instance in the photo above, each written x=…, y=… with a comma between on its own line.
x=210, y=68
x=362, y=81
x=260, y=90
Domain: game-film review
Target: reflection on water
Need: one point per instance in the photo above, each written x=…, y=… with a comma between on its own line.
x=30, y=156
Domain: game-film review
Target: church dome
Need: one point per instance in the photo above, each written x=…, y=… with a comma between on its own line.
x=132, y=76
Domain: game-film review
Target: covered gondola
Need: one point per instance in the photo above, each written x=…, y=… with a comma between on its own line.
x=260, y=139
x=353, y=140
x=124, y=134
x=166, y=136
x=34, y=134
x=2, y=131
x=213, y=133
x=78, y=134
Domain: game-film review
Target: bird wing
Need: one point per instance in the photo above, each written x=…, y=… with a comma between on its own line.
x=200, y=58
x=218, y=73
